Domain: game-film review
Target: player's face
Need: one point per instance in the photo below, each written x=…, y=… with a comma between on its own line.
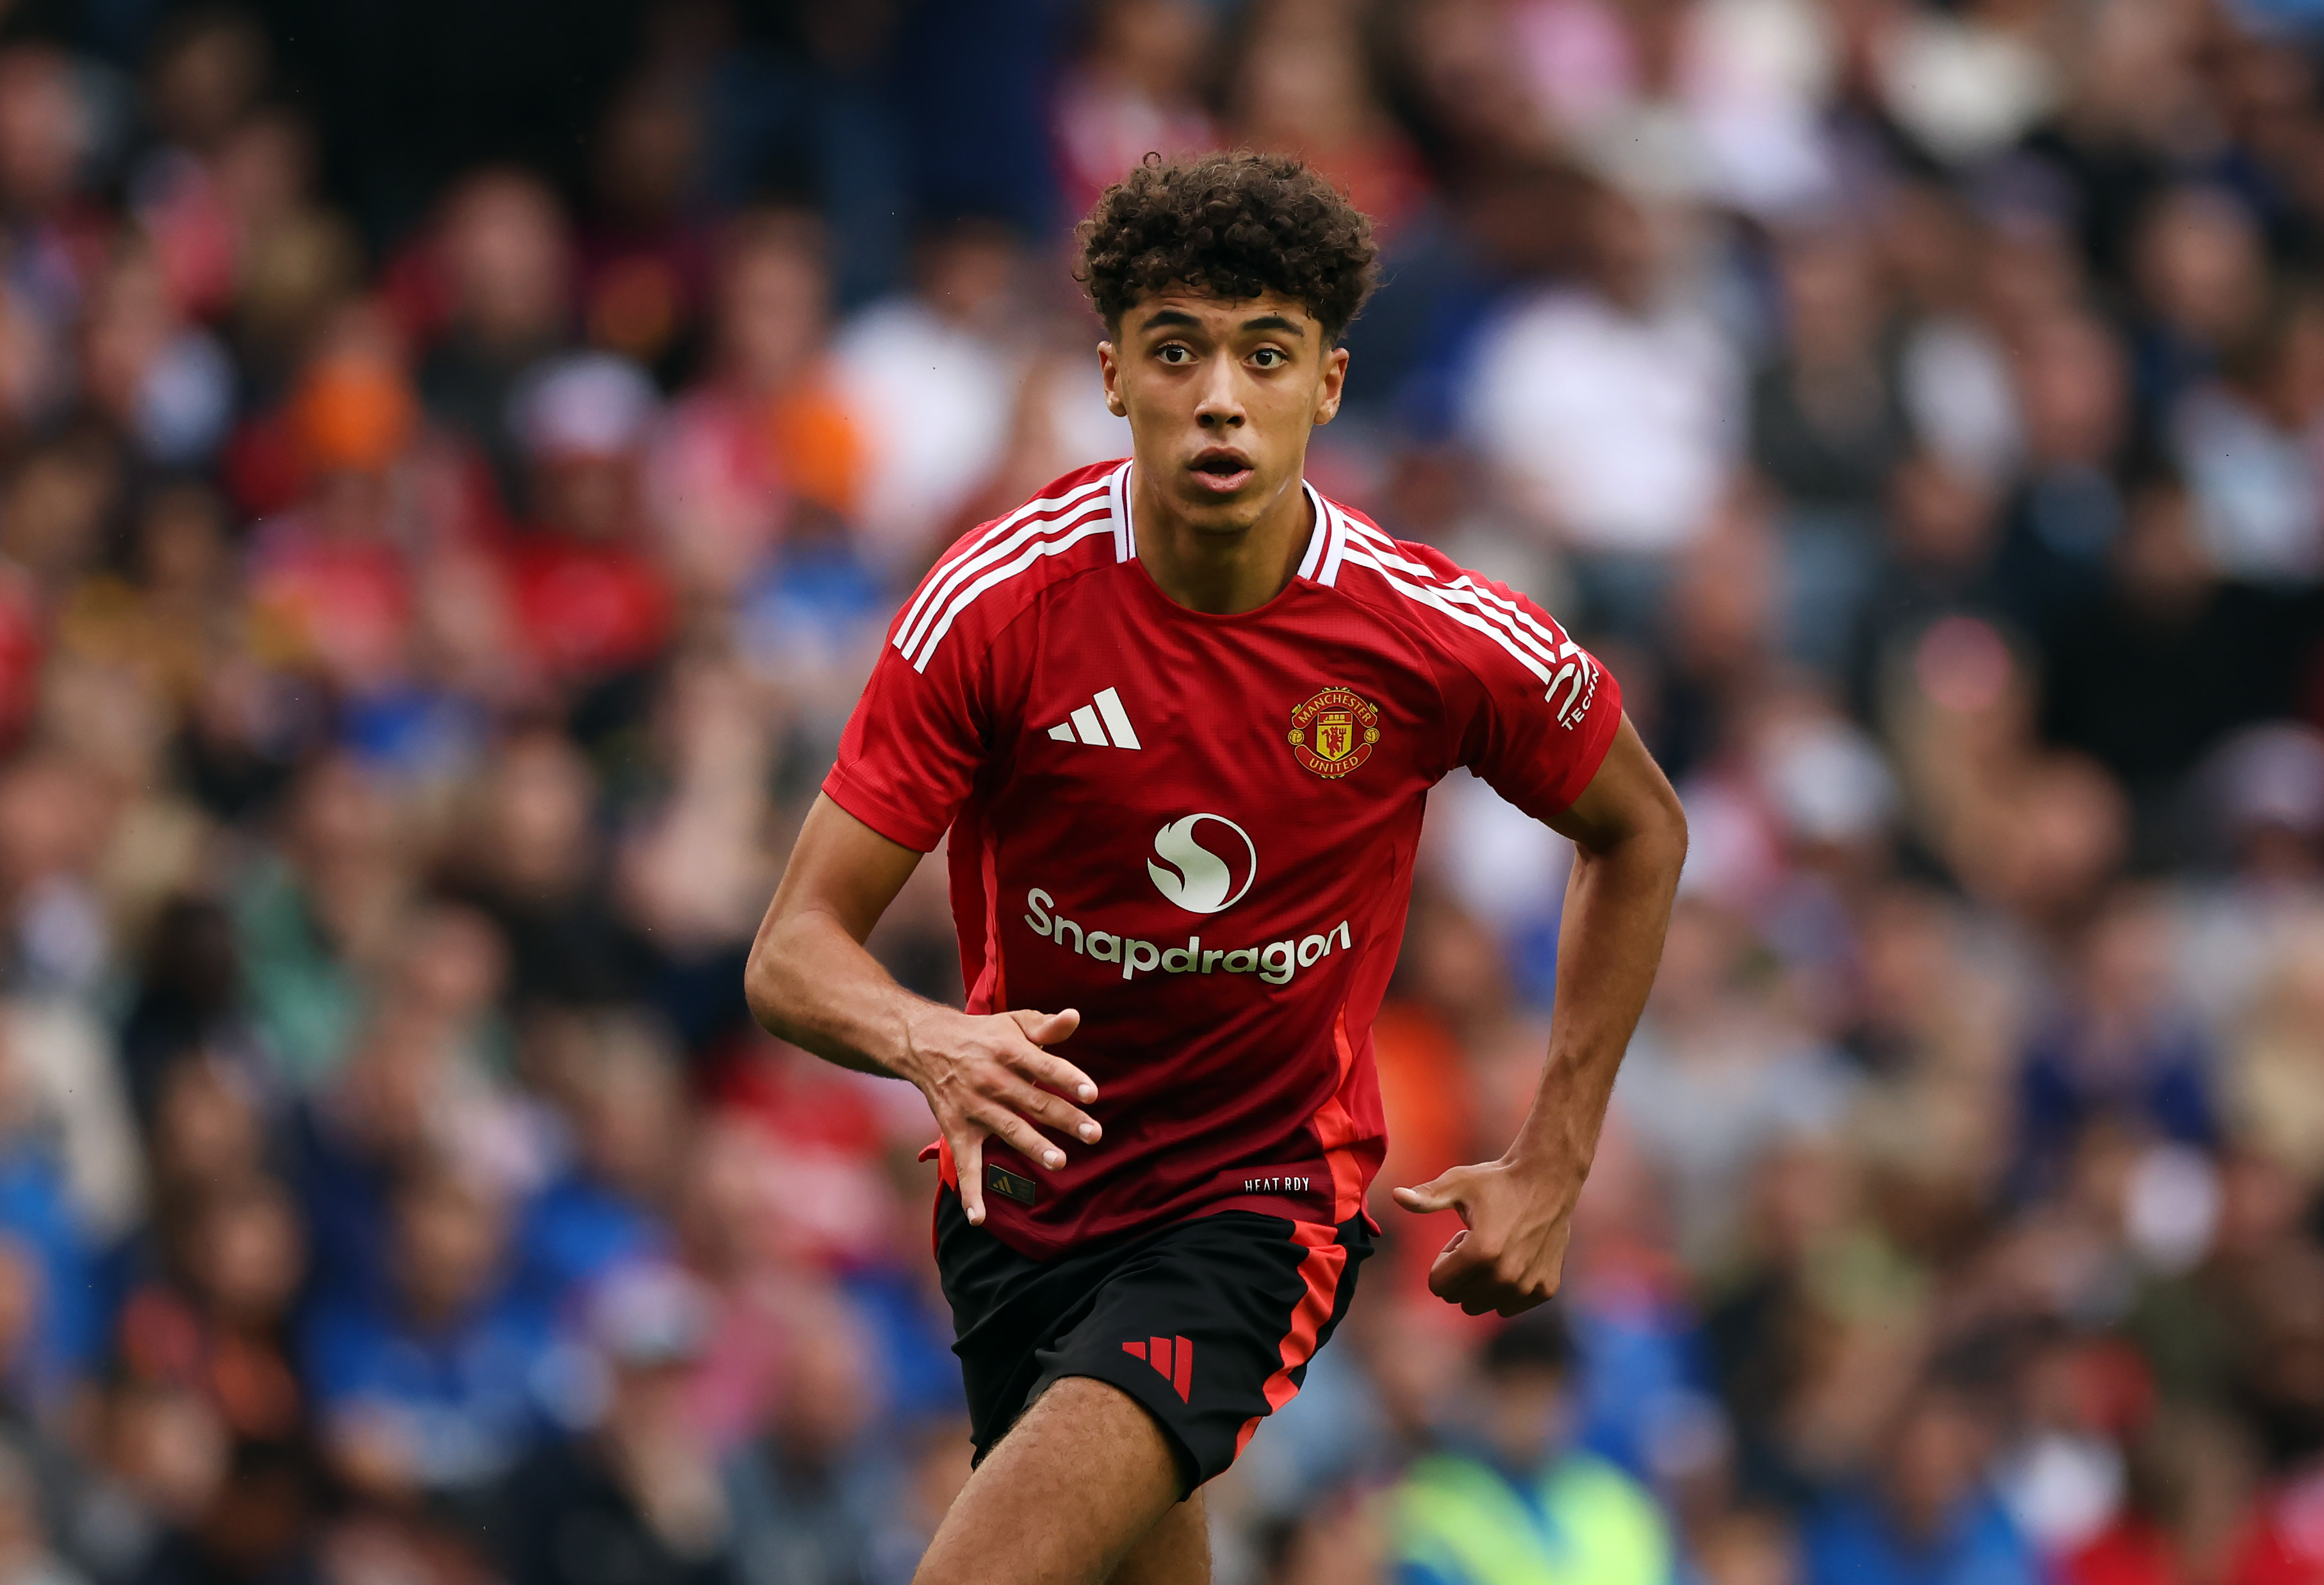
x=1220, y=395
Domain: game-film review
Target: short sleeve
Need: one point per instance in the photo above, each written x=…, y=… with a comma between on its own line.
x=911, y=751
x=1534, y=711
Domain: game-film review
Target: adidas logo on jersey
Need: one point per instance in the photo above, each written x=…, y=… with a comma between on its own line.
x=1103, y=722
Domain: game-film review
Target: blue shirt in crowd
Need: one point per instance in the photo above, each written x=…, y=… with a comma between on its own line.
x=1853, y=1540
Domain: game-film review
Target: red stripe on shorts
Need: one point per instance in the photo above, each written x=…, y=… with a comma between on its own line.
x=1319, y=1268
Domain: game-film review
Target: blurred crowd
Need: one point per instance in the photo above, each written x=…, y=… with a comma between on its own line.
x=435, y=567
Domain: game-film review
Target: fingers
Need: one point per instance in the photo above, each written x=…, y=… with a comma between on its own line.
x=1052, y=1072
x=1457, y=1269
x=968, y=1156
x=1019, y=1134
x=1502, y=1260
x=1439, y=1195
x=1002, y=1095
x=1046, y=1110
x=1465, y=1275
x=1048, y=1028
x=1055, y=1073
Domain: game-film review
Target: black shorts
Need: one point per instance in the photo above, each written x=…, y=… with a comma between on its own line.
x=1208, y=1324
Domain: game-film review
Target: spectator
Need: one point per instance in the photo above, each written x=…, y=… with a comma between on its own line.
x=1301, y=87
x=161, y=1459
x=294, y=258
x=811, y=1496
x=2197, y=654
x=605, y=1212
x=588, y=603
x=644, y=263
x=2249, y=440
x=1605, y=410
x=1339, y=1543
x=1952, y=371
x=2074, y=388
x=931, y=377
x=56, y=817
x=502, y=261
x=202, y=78
x=1826, y=423
x=533, y=864
x=1136, y=88
x=62, y=1081
x=208, y=1127
x=643, y=1488
x=221, y=1325
x=335, y=571
x=1717, y=1075
x=2202, y=271
x=310, y=920
x=2121, y=1051
x=765, y=437
x=1925, y=1516
x=695, y=869
x=1465, y=1518
x=55, y=1315
x=438, y=1384
x=1828, y=428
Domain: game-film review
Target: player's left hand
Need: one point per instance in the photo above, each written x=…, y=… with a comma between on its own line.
x=1510, y=1255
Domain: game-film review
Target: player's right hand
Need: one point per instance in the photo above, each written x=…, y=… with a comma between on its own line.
x=987, y=1077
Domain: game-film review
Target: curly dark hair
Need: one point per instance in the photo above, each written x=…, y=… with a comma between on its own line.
x=1236, y=225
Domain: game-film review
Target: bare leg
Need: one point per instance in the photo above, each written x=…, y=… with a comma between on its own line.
x=1068, y=1497
x=1175, y=1551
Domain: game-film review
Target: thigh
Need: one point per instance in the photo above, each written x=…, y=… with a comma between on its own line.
x=1175, y=1551
x=1066, y=1498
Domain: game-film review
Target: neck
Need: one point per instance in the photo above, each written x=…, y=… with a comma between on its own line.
x=1222, y=573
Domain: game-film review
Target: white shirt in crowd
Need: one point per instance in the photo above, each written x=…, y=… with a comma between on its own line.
x=2260, y=487
x=934, y=401
x=1618, y=429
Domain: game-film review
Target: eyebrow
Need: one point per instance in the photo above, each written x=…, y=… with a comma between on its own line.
x=1178, y=319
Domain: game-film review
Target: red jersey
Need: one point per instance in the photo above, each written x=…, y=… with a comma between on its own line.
x=1199, y=830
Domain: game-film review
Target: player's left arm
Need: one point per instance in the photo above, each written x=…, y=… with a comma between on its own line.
x=1629, y=839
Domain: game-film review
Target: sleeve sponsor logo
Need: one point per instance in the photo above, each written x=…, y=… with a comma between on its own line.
x=1572, y=690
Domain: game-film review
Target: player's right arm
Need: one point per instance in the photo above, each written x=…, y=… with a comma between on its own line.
x=810, y=981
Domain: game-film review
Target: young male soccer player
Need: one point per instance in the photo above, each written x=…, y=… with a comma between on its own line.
x=1179, y=716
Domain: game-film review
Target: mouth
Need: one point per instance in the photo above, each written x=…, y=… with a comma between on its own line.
x=1220, y=471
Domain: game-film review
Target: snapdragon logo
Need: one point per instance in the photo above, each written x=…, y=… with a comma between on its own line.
x=1274, y=962
x=1195, y=877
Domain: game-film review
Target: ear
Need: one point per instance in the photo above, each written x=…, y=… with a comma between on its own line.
x=1111, y=372
x=1327, y=388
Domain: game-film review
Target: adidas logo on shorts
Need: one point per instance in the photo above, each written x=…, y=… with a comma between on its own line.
x=1174, y=1356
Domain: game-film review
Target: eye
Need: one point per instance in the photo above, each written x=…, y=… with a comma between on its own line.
x=1269, y=357
x=1176, y=353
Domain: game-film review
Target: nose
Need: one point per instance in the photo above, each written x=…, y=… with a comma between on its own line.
x=1220, y=404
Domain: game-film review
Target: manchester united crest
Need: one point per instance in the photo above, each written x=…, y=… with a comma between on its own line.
x=1334, y=732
